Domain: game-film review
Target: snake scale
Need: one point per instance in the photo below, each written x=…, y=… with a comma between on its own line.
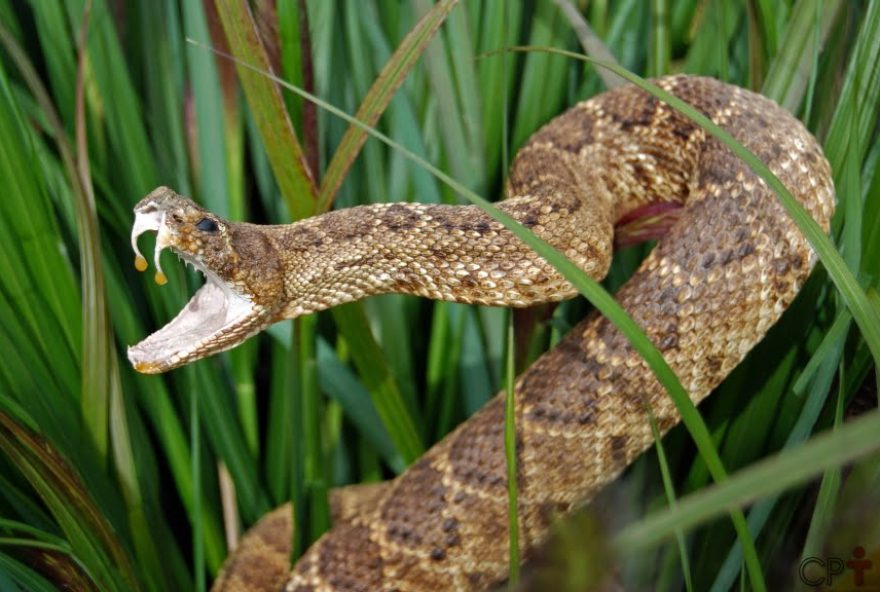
x=719, y=278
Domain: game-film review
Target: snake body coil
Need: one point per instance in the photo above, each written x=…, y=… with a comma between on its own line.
x=720, y=277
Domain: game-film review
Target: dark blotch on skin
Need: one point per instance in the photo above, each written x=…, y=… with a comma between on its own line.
x=643, y=118
x=400, y=217
x=587, y=417
x=618, y=448
x=668, y=341
x=641, y=174
x=571, y=131
x=744, y=250
x=713, y=364
x=682, y=131
x=708, y=260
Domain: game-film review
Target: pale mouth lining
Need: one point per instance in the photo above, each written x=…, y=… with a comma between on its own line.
x=216, y=317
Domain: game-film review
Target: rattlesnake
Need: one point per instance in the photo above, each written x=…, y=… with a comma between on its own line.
x=722, y=275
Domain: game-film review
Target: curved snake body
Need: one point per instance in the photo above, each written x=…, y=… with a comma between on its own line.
x=706, y=294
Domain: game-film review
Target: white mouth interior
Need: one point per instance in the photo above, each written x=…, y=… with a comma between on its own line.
x=214, y=313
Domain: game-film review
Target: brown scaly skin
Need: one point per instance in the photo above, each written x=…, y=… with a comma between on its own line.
x=708, y=292
x=262, y=559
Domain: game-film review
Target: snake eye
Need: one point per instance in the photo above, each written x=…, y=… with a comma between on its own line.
x=206, y=225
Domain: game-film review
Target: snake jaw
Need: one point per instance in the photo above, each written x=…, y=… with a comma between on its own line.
x=220, y=315
x=215, y=319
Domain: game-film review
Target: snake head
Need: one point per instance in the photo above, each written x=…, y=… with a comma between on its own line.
x=241, y=286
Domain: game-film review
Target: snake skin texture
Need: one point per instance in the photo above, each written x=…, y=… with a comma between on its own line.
x=707, y=293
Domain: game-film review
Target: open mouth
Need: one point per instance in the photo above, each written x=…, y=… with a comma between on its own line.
x=215, y=319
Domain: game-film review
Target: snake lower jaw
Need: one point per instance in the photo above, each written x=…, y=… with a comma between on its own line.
x=215, y=319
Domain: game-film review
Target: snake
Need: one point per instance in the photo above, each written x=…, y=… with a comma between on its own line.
x=729, y=263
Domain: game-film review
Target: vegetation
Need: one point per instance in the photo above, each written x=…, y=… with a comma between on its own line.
x=114, y=481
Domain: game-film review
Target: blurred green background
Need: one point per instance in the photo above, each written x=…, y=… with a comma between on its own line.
x=111, y=480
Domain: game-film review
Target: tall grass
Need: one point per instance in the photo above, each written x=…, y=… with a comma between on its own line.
x=111, y=479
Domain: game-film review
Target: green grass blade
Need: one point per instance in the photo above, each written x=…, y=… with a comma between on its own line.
x=114, y=99
x=594, y=47
x=445, y=360
x=861, y=87
x=195, y=445
x=97, y=371
x=156, y=402
x=210, y=154
x=461, y=56
x=626, y=28
x=99, y=368
x=833, y=339
x=18, y=542
x=315, y=481
x=474, y=366
x=343, y=386
x=279, y=138
x=766, y=16
x=376, y=376
x=60, y=53
x=715, y=23
x=760, y=513
x=826, y=499
x=363, y=69
x=48, y=275
x=13, y=572
x=773, y=475
x=501, y=25
x=791, y=69
x=379, y=96
x=146, y=537
x=278, y=458
x=669, y=490
x=36, y=533
x=91, y=537
x=299, y=494
x=454, y=131
x=871, y=224
x=163, y=69
x=226, y=438
x=510, y=454
x=540, y=71
x=660, y=55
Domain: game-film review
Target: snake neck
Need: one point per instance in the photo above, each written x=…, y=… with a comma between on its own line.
x=452, y=253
